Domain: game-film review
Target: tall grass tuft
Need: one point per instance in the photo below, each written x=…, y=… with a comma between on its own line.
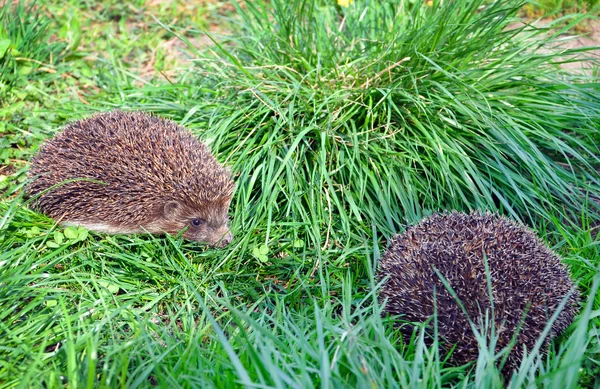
x=384, y=111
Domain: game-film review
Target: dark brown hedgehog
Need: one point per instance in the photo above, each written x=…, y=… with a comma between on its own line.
x=528, y=282
x=128, y=172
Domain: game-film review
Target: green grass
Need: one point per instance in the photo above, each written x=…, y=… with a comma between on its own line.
x=131, y=311
x=399, y=117
x=25, y=46
x=28, y=59
x=342, y=126
x=553, y=8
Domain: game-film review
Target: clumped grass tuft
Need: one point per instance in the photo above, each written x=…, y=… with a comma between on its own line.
x=383, y=111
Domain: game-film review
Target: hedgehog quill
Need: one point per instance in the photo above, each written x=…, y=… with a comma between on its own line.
x=130, y=172
x=528, y=282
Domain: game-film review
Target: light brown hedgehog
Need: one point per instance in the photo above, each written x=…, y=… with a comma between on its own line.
x=527, y=279
x=130, y=172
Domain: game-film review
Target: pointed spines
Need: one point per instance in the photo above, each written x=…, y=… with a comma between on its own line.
x=526, y=278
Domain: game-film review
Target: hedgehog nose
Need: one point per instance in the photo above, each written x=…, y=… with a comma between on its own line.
x=226, y=239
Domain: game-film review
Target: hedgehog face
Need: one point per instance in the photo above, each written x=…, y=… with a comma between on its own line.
x=206, y=224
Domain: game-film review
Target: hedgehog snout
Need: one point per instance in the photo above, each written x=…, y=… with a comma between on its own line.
x=217, y=235
x=226, y=239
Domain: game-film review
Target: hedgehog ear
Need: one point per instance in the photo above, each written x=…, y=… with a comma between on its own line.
x=170, y=209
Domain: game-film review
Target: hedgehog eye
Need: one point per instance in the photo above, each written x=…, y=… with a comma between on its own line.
x=197, y=222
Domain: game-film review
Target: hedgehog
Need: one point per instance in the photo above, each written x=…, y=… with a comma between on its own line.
x=528, y=284
x=131, y=172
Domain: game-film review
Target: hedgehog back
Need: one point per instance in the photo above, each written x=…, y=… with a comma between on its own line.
x=131, y=163
x=526, y=278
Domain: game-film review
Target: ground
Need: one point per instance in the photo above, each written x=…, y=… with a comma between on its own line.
x=327, y=173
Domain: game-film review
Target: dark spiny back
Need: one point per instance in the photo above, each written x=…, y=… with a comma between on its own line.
x=525, y=274
x=141, y=160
